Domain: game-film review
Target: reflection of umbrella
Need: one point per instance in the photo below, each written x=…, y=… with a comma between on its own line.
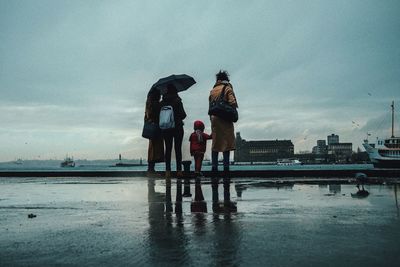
x=181, y=82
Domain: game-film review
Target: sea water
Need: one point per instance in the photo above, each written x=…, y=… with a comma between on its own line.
x=55, y=166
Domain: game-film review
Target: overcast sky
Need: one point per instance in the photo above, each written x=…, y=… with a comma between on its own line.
x=74, y=74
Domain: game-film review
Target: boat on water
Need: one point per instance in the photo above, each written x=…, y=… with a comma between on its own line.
x=68, y=162
x=18, y=162
x=385, y=153
x=288, y=162
x=124, y=164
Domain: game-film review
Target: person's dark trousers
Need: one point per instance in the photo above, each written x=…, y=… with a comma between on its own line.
x=176, y=136
x=214, y=159
x=151, y=166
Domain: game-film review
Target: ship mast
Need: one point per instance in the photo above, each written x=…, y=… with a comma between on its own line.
x=392, y=119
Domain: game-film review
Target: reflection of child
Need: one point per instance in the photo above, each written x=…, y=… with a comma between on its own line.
x=198, y=141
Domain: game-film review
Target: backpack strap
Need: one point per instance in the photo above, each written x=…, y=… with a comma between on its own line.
x=221, y=96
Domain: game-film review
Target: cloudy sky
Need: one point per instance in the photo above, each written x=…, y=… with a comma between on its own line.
x=74, y=74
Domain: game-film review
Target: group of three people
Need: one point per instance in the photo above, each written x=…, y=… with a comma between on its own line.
x=223, y=138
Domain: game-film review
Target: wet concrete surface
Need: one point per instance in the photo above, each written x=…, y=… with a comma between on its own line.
x=125, y=222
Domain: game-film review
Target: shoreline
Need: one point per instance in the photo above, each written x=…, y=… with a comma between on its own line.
x=320, y=173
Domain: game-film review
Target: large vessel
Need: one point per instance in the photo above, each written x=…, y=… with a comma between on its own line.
x=124, y=164
x=385, y=153
x=288, y=162
x=68, y=162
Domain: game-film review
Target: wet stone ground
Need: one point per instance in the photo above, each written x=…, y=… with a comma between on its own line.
x=129, y=222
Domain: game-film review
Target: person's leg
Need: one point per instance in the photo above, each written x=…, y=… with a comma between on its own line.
x=226, y=160
x=168, y=149
x=201, y=157
x=198, y=160
x=214, y=160
x=151, y=166
x=178, y=137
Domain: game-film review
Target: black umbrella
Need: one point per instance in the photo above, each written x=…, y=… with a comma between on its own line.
x=180, y=81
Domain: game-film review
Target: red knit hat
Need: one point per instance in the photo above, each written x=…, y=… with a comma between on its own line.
x=198, y=125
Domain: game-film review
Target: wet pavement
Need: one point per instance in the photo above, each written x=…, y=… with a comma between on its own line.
x=141, y=222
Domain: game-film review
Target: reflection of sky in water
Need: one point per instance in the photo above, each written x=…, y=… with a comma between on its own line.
x=121, y=221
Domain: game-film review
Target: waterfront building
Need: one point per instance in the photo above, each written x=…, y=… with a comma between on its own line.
x=334, y=151
x=321, y=147
x=341, y=151
x=333, y=139
x=262, y=150
x=320, y=151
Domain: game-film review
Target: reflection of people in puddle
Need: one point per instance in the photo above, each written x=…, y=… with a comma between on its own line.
x=198, y=205
x=395, y=198
x=226, y=234
x=168, y=197
x=227, y=239
x=156, y=202
x=178, y=200
x=227, y=205
x=166, y=237
x=335, y=188
x=223, y=240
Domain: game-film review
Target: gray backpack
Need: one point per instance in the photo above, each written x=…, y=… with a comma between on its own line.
x=167, y=120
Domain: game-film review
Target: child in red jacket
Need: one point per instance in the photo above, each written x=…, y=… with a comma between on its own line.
x=198, y=141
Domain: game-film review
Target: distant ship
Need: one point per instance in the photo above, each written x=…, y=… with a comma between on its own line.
x=68, y=162
x=385, y=153
x=123, y=164
x=18, y=162
x=288, y=162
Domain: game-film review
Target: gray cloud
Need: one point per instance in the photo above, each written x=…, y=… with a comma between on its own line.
x=72, y=73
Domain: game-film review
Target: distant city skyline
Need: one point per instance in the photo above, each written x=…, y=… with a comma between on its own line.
x=124, y=158
x=74, y=75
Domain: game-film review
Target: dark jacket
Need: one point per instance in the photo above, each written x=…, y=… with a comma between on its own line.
x=176, y=103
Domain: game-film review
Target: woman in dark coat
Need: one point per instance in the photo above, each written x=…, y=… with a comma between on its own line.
x=155, y=151
x=174, y=135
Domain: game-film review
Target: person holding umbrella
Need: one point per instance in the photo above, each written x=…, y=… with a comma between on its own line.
x=171, y=117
